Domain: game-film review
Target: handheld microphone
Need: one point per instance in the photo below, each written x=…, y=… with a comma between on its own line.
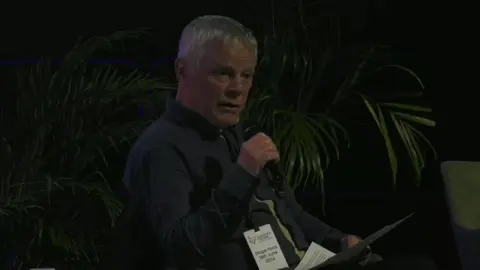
x=275, y=178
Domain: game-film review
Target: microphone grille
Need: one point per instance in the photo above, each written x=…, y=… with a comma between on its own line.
x=251, y=131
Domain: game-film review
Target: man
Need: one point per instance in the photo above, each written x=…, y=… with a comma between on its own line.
x=203, y=188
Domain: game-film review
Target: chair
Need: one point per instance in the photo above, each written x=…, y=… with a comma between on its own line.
x=462, y=187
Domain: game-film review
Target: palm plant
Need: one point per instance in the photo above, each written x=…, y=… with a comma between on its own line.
x=309, y=116
x=63, y=122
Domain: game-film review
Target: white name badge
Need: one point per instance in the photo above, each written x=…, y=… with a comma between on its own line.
x=265, y=248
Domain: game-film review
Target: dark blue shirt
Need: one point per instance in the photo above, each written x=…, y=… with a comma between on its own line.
x=199, y=200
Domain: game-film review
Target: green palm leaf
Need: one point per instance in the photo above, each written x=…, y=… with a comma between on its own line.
x=72, y=118
x=400, y=114
x=310, y=136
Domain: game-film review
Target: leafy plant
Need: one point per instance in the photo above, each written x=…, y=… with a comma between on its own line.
x=62, y=123
x=309, y=109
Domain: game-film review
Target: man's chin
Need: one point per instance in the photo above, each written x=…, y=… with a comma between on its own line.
x=227, y=121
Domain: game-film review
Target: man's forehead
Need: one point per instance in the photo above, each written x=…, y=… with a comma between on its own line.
x=229, y=48
x=228, y=54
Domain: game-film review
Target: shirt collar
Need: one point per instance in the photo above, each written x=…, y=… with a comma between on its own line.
x=182, y=116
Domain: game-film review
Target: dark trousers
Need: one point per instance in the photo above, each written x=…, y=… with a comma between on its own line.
x=391, y=263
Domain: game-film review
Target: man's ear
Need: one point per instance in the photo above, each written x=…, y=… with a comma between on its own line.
x=180, y=68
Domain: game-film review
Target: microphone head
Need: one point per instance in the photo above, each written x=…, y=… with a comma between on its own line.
x=250, y=131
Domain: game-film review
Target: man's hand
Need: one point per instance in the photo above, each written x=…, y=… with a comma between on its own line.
x=366, y=256
x=350, y=241
x=257, y=152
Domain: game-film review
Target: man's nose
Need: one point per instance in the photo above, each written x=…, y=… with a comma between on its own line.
x=233, y=93
x=236, y=84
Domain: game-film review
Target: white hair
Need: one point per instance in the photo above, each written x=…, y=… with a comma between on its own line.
x=199, y=32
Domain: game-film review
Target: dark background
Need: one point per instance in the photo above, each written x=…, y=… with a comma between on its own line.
x=438, y=43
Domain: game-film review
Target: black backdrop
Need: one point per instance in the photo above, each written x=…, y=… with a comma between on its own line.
x=439, y=38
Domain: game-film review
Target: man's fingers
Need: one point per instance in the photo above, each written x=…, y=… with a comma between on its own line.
x=271, y=155
x=353, y=240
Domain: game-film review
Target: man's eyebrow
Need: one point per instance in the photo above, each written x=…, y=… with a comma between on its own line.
x=223, y=66
x=219, y=66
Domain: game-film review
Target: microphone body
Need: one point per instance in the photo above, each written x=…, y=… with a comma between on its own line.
x=272, y=170
x=275, y=177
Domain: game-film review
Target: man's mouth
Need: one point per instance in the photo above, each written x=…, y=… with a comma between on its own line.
x=228, y=105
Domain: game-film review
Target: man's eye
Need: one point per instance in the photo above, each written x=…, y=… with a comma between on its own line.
x=224, y=73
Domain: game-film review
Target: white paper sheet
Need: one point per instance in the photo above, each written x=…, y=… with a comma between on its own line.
x=314, y=256
x=318, y=256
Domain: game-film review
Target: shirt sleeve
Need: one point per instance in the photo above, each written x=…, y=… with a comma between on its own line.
x=183, y=233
